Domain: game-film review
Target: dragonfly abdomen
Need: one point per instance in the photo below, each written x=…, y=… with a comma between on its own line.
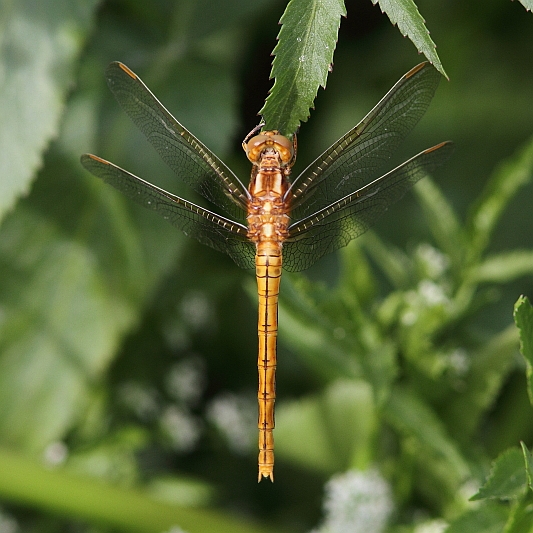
x=268, y=229
x=268, y=272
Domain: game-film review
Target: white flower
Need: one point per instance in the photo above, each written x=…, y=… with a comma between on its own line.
x=235, y=416
x=356, y=502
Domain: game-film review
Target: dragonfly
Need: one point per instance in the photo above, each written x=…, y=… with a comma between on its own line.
x=277, y=222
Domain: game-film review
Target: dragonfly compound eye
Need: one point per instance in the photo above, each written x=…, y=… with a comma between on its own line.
x=269, y=139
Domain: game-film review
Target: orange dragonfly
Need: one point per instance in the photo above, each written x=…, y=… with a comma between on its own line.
x=277, y=222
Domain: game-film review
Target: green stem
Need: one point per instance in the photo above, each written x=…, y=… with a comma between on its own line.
x=25, y=482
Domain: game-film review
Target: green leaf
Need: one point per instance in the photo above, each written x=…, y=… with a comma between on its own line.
x=24, y=482
x=414, y=419
x=489, y=517
x=507, y=478
x=181, y=491
x=405, y=14
x=356, y=276
x=57, y=335
x=392, y=261
x=338, y=427
x=523, y=317
x=489, y=366
x=79, y=262
x=40, y=43
x=528, y=4
x=309, y=331
x=528, y=459
x=504, y=267
x=442, y=219
x=513, y=174
x=520, y=518
x=303, y=58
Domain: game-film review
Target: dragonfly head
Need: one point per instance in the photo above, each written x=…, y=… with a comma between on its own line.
x=270, y=142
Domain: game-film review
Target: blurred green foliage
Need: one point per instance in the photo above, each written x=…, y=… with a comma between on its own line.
x=127, y=352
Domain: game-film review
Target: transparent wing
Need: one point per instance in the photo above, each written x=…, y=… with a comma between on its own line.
x=337, y=224
x=206, y=227
x=191, y=160
x=356, y=157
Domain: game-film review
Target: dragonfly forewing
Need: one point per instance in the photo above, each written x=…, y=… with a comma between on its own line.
x=201, y=224
x=358, y=155
x=191, y=160
x=337, y=224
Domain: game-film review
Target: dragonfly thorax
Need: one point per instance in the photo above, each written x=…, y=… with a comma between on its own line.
x=268, y=206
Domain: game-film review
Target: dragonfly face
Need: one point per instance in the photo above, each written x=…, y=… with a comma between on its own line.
x=276, y=222
x=274, y=143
